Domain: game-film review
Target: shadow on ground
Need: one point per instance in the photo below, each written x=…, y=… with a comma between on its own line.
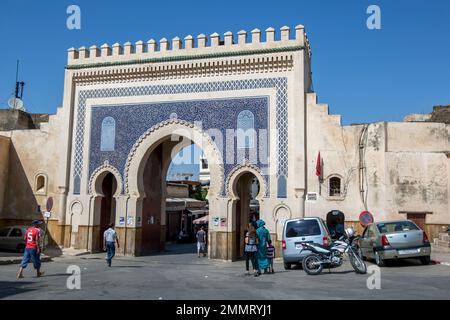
x=11, y=288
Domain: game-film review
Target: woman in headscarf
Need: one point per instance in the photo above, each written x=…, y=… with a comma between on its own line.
x=263, y=236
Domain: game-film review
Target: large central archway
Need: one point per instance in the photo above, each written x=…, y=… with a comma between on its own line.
x=145, y=174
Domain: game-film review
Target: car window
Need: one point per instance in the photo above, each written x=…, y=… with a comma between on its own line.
x=16, y=233
x=302, y=228
x=398, y=226
x=365, y=233
x=324, y=225
x=4, y=232
x=370, y=232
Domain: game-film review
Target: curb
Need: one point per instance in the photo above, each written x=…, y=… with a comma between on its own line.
x=19, y=260
x=440, y=262
x=82, y=254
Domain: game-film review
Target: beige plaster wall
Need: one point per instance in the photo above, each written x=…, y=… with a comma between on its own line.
x=406, y=167
x=32, y=153
x=4, y=165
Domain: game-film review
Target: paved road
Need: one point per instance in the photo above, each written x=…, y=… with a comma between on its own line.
x=180, y=275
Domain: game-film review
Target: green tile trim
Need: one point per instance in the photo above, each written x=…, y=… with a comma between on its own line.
x=185, y=58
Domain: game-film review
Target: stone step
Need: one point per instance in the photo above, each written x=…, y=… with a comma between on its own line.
x=445, y=244
x=444, y=237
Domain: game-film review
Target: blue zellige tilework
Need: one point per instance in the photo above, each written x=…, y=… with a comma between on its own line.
x=133, y=120
x=280, y=84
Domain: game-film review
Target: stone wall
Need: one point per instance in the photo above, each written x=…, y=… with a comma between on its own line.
x=19, y=120
x=4, y=166
x=405, y=167
x=32, y=154
x=441, y=114
x=177, y=190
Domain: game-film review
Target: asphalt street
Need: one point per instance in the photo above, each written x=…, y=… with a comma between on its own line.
x=179, y=274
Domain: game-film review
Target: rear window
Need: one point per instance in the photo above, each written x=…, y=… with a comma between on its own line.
x=16, y=233
x=302, y=228
x=399, y=226
x=4, y=232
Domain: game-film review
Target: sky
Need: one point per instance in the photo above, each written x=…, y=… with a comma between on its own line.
x=364, y=75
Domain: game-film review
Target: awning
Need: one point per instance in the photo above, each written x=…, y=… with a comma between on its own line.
x=202, y=220
x=197, y=212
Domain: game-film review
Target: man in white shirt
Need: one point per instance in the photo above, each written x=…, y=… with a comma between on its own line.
x=109, y=240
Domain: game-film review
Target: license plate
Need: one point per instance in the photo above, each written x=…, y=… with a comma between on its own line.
x=410, y=251
x=298, y=245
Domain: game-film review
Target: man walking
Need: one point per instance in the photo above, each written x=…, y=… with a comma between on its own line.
x=201, y=242
x=109, y=243
x=32, y=250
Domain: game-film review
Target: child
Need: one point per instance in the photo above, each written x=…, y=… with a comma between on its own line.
x=270, y=255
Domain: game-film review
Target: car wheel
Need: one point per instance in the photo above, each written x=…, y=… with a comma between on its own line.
x=20, y=248
x=379, y=261
x=287, y=266
x=425, y=260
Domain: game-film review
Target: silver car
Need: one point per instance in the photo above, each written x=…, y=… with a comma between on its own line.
x=300, y=230
x=12, y=238
x=389, y=240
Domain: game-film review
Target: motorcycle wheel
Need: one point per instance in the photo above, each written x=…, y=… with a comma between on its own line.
x=312, y=264
x=357, y=263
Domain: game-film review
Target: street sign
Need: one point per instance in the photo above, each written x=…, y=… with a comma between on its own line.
x=49, y=204
x=47, y=215
x=365, y=218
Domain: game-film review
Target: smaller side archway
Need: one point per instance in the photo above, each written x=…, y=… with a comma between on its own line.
x=105, y=187
x=246, y=189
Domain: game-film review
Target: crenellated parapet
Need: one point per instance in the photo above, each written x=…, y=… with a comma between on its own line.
x=191, y=48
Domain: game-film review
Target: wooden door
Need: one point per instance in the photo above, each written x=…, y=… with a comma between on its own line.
x=418, y=218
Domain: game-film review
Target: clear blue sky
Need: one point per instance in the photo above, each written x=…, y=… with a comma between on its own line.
x=363, y=75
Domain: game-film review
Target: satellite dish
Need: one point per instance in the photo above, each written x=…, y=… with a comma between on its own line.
x=16, y=104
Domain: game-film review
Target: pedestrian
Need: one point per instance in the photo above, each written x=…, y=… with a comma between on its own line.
x=270, y=255
x=110, y=239
x=181, y=236
x=201, y=242
x=32, y=249
x=263, y=236
x=251, y=247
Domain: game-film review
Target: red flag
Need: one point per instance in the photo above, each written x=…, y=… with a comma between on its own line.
x=318, y=166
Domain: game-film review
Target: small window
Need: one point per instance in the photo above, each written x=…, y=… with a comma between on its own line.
x=108, y=134
x=335, y=187
x=364, y=235
x=246, y=134
x=204, y=164
x=41, y=184
x=371, y=232
x=4, y=232
x=16, y=233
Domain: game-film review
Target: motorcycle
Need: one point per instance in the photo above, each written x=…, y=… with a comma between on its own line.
x=333, y=256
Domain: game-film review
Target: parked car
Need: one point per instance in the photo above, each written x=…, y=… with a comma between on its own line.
x=389, y=240
x=12, y=238
x=302, y=230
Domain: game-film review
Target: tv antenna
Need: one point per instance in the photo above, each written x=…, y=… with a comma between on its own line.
x=16, y=103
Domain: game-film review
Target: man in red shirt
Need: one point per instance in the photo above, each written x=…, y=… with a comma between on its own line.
x=32, y=250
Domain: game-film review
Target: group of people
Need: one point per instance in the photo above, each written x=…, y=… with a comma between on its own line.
x=258, y=249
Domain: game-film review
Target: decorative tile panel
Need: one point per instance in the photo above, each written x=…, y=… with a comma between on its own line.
x=183, y=109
